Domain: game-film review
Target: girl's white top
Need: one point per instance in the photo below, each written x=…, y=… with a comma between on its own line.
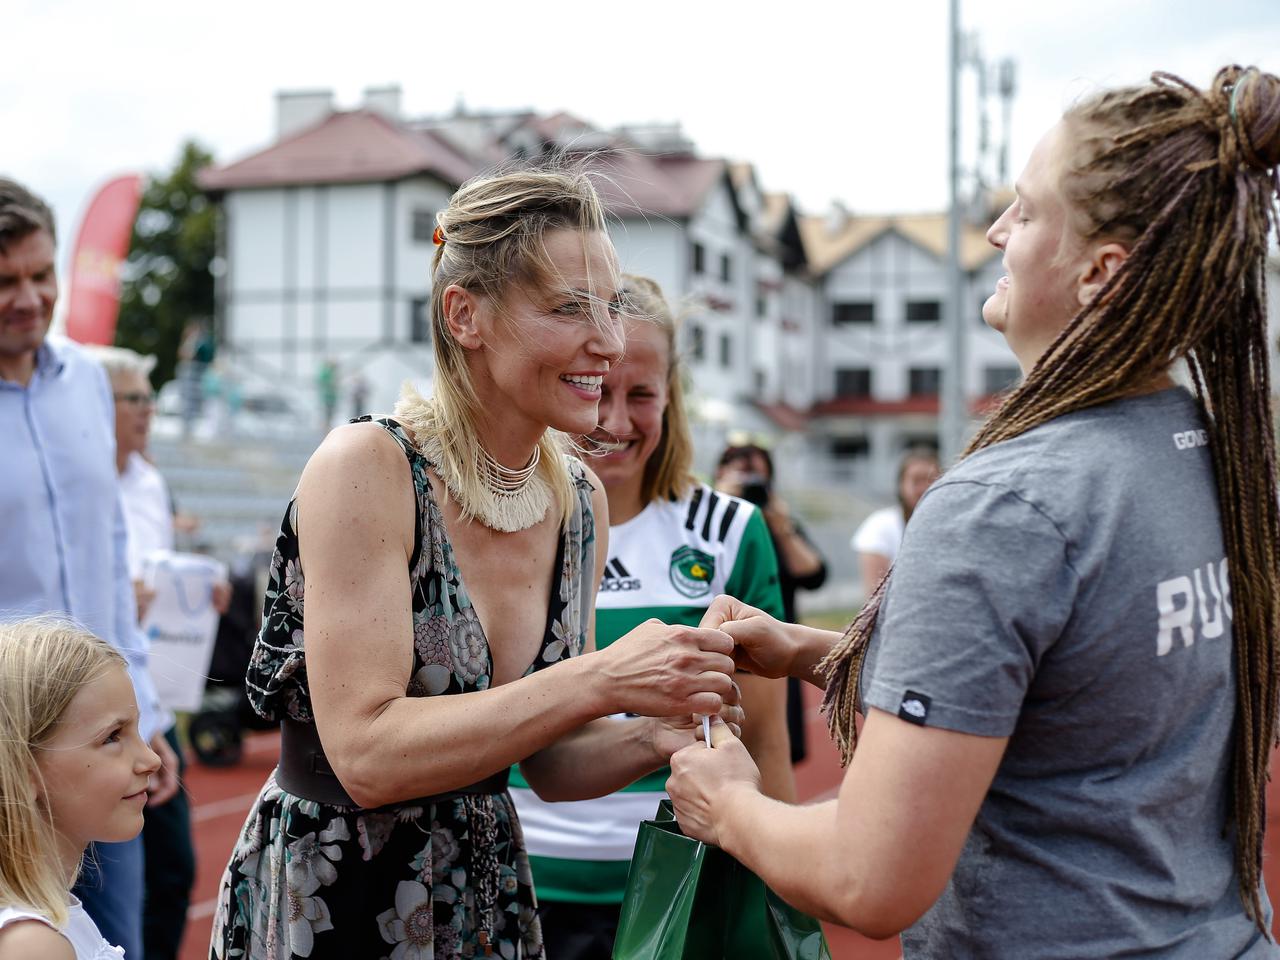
x=79, y=930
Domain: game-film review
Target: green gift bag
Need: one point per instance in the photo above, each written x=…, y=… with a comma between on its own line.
x=690, y=901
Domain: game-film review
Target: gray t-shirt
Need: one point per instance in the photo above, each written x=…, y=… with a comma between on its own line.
x=1067, y=589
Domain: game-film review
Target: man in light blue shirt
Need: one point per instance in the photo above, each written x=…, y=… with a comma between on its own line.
x=62, y=533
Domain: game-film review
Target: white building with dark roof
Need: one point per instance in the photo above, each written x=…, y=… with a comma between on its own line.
x=327, y=240
x=883, y=282
x=820, y=334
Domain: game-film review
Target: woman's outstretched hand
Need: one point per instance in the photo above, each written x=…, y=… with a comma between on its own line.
x=704, y=782
x=658, y=670
x=761, y=644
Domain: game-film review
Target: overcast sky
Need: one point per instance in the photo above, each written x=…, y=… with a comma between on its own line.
x=843, y=100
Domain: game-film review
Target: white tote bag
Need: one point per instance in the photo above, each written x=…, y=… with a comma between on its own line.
x=181, y=623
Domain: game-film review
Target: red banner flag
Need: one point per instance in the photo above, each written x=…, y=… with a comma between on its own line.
x=101, y=246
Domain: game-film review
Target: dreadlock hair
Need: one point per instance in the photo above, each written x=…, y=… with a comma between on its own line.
x=1187, y=179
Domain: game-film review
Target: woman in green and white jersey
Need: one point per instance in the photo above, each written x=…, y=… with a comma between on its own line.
x=674, y=545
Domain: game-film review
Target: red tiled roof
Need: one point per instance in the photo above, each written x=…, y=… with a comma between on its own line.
x=866, y=406
x=557, y=126
x=632, y=183
x=784, y=416
x=349, y=147
x=366, y=146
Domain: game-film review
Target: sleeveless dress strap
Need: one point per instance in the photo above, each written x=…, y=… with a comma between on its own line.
x=580, y=549
x=398, y=433
x=10, y=915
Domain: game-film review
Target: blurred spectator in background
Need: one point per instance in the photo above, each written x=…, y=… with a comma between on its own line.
x=223, y=391
x=148, y=508
x=195, y=352
x=359, y=396
x=876, y=542
x=746, y=471
x=327, y=387
x=166, y=835
x=62, y=530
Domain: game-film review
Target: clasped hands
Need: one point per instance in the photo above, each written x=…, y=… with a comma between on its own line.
x=677, y=673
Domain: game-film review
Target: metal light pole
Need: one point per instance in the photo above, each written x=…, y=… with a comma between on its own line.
x=954, y=413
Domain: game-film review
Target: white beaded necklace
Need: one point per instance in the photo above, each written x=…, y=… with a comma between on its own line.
x=511, y=499
x=506, y=479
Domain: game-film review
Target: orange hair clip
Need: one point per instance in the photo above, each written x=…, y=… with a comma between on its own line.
x=437, y=237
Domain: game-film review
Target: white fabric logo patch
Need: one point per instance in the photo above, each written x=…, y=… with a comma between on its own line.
x=914, y=708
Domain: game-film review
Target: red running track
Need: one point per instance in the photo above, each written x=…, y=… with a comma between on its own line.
x=221, y=798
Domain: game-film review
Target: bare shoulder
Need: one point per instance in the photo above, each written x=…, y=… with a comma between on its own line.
x=357, y=450
x=24, y=939
x=360, y=480
x=359, y=460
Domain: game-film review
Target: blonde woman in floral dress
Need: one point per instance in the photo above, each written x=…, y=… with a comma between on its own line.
x=429, y=618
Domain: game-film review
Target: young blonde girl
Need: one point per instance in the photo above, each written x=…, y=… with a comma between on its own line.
x=73, y=769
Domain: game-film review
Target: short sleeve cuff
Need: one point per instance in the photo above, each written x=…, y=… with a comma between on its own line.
x=892, y=697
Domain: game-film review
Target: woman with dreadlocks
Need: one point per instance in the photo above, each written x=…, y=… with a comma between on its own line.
x=1069, y=677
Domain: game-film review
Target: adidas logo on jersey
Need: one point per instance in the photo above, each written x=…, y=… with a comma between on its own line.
x=616, y=577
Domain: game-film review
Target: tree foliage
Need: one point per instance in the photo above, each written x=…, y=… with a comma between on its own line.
x=167, y=278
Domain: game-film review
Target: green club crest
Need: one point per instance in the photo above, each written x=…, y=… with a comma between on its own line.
x=692, y=572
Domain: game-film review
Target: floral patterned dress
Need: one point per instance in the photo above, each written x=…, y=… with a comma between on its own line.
x=439, y=881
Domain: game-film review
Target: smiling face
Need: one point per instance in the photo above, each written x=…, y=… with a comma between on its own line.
x=634, y=397
x=28, y=291
x=1043, y=258
x=546, y=351
x=96, y=765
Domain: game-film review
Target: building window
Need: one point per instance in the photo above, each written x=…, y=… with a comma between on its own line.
x=697, y=342
x=999, y=379
x=853, y=382
x=925, y=381
x=850, y=448
x=759, y=380
x=924, y=311
x=726, y=351
x=762, y=306
x=726, y=268
x=699, y=259
x=419, y=320
x=863, y=311
x=920, y=441
x=424, y=226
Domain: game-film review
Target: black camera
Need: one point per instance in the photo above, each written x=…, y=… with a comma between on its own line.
x=755, y=489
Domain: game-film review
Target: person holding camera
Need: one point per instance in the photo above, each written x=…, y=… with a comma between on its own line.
x=746, y=471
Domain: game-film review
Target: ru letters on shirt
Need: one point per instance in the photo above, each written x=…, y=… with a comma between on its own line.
x=1195, y=606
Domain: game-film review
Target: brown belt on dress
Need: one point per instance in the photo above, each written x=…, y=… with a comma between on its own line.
x=305, y=772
